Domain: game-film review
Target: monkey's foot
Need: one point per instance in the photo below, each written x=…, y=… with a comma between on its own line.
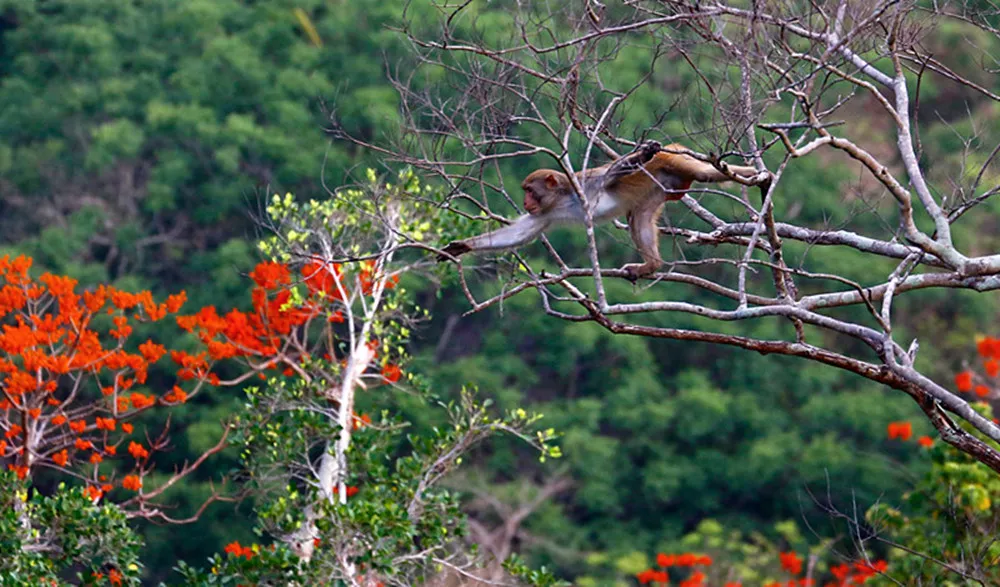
x=634, y=271
x=455, y=249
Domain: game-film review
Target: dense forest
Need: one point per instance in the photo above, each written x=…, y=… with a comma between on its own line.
x=147, y=147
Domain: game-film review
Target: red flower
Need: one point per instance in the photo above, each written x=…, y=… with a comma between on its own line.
x=791, y=562
x=137, y=450
x=982, y=390
x=233, y=548
x=269, y=275
x=322, y=277
x=132, y=482
x=925, y=441
x=175, y=301
x=665, y=560
x=351, y=490
x=840, y=572
x=686, y=560
x=697, y=579
x=152, y=351
x=176, y=395
x=140, y=401
x=361, y=421
x=392, y=373
x=61, y=458
x=864, y=570
x=652, y=576
x=900, y=430
x=963, y=381
x=987, y=346
x=992, y=367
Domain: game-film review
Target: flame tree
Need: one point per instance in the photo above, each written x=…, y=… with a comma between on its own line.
x=341, y=496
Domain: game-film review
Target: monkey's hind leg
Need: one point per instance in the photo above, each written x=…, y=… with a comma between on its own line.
x=642, y=227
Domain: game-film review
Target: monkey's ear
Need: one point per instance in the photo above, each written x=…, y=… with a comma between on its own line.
x=551, y=182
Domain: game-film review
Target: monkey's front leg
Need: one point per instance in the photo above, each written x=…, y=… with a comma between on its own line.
x=522, y=231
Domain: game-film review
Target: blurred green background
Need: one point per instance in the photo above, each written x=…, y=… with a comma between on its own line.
x=137, y=139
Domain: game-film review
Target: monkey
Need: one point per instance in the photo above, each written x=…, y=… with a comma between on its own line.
x=637, y=185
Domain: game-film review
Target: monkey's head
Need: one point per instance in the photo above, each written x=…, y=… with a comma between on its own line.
x=543, y=188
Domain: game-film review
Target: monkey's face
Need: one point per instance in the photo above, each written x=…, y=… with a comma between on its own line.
x=532, y=201
x=542, y=190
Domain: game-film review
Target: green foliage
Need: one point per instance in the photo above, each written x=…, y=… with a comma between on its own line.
x=946, y=521
x=43, y=538
x=659, y=436
x=101, y=95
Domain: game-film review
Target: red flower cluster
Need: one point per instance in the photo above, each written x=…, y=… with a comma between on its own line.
x=325, y=278
x=351, y=490
x=361, y=421
x=900, y=430
x=137, y=451
x=132, y=482
x=989, y=349
x=696, y=578
x=904, y=431
x=392, y=373
x=791, y=562
x=258, y=333
x=846, y=575
x=964, y=381
x=69, y=363
x=235, y=549
x=857, y=573
x=256, y=336
x=652, y=576
x=52, y=342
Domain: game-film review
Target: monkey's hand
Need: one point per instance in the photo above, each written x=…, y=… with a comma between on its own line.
x=647, y=150
x=455, y=249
